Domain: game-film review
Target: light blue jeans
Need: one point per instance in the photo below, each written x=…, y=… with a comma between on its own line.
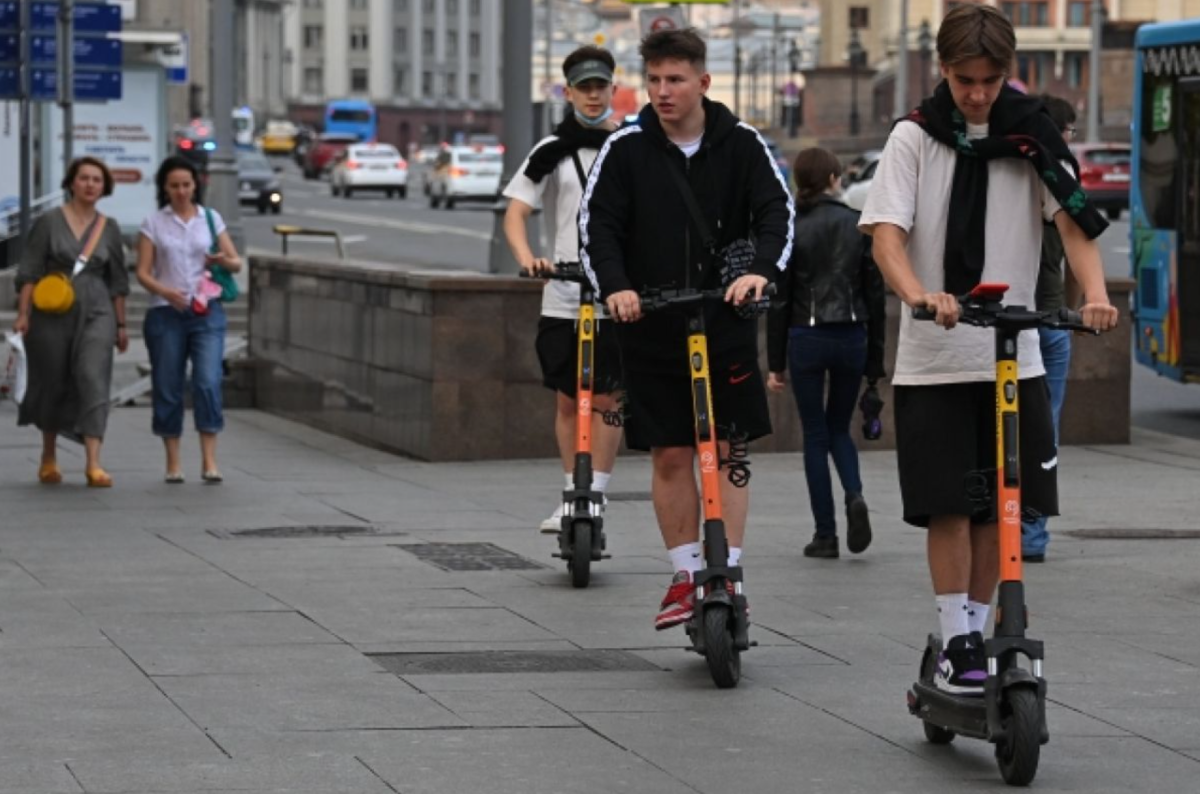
x=1056, y=356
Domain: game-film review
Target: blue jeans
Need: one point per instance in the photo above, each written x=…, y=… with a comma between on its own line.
x=1056, y=355
x=839, y=352
x=173, y=337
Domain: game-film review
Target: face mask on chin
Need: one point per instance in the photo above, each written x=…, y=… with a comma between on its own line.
x=593, y=122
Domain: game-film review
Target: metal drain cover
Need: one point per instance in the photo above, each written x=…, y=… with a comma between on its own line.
x=1134, y=534
x=628, y=496
x=294, y=532
x=470, y=557
x=511, y=662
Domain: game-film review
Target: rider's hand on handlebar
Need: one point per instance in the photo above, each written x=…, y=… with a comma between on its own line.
x=537, y=265
x=776, y=381
x=745, y=289
x=624, y=306
x=1101, y=316
x=944, y=305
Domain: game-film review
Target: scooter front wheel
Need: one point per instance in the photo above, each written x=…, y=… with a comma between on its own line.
x=580, y=564
x=1018, y=754
x=724, y=661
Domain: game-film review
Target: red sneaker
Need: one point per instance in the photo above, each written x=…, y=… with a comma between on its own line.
x=678, y=604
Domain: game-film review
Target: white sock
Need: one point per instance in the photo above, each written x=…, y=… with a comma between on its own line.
x=569, y=477
x=600, y=481
x=977, y=616
x=686, y=557
x=735, y=555
x=952, y=614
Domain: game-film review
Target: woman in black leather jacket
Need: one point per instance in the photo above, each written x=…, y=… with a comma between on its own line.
x=826, y=329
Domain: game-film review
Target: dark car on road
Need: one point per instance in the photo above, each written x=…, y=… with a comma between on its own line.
x=1104, y=175
x=258, y=184
x=319, y=157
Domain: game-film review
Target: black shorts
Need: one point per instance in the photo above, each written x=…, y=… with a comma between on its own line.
x=946, y=437
x=658, y=403
x=558, y=353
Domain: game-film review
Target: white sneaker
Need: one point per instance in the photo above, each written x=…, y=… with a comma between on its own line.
x=553, y=524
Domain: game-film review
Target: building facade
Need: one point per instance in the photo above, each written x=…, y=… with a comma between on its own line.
x=432, y=67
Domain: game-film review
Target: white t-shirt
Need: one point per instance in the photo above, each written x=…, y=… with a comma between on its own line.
x=691, y=147
x=179, y=248
x=560, y=194
x=911, y=190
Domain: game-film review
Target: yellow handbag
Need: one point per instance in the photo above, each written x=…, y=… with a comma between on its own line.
x=54, y=293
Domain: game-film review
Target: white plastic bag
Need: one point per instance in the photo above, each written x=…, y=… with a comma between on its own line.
x=16, y=373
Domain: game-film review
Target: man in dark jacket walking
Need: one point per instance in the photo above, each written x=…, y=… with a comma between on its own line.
x=636, y=232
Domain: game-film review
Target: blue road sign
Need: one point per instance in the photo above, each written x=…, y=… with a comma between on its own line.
x=89, y=51
x=10, y=82
x=9, y=16
x=10, y=47
x=88, y=17
x=90, y=85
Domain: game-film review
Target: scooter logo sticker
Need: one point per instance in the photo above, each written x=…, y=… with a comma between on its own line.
x=707, y=462
x=585, y=406
x=1011, y=508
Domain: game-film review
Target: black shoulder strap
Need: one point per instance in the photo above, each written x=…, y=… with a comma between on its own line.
x=579, y=169
x=689, y=198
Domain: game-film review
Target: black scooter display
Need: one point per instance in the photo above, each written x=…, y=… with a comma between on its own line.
x=1011, y=713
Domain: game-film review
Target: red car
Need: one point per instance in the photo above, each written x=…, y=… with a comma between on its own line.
x=319, y=157
x=1104, y=175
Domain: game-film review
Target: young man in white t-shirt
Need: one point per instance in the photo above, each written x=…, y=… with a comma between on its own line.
x=958, y=199
x=554, y=175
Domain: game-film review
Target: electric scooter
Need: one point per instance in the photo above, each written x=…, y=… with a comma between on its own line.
x=581, y=538
x=1011, y=713
x=719, y=628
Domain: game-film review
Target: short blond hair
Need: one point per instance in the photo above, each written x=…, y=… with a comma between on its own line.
x=976, y=31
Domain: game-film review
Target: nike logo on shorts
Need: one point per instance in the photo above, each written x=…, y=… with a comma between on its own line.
x=1050, y=464
x=736, y=379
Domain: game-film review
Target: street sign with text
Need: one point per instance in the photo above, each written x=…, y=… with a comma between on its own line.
x=90, y=85
x=89, y=51
x=87, y=17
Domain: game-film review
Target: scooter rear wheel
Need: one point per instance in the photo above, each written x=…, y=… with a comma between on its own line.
x=724, y=661
x=1017, y=755
x=580, y=564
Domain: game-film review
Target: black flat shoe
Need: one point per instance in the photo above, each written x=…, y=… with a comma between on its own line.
x=822, y=547
x=858, y=525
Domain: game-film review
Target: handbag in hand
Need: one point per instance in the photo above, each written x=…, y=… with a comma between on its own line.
x=220, y=274
x=733, y=261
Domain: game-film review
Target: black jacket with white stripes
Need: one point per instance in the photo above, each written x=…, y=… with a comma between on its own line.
x=635, y=229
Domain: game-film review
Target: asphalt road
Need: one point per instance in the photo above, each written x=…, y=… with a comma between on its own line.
x=409, y=234
x=405, y=232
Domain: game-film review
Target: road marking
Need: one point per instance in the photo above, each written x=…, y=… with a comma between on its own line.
x=1120, y=250
x=404, y=226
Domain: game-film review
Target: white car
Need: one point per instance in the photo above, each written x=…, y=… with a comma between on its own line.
x=369, y=166
x=466, y=173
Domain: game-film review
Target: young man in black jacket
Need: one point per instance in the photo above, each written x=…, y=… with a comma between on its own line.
x=636, y=232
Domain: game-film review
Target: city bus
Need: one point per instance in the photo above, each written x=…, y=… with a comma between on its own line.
x=1164, y=199
x=353, y=116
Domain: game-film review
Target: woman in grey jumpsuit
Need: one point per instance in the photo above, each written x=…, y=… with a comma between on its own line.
x=71, y=354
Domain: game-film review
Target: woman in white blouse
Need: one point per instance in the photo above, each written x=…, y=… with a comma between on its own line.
x=177, y=246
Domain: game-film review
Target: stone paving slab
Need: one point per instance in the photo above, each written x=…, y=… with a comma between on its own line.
x=142, y=651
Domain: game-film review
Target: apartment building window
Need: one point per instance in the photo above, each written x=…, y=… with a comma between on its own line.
x=358, y=38
x=313, y=3
x=427, y=6
x=314, y=37
x=314, y=80
x=452, y=45
x=475, y=11
x=451, y=84
x=400, y=81
x=427, y=42
x=1074, y=68
x=358, y=80
x=400, y=40
x=402, y=6
x=1027, y=13
x=426, y=84
x=1079, y=14
x=475, y=45
x=358, y=4
x=473, y=85
x=860, y=17
x=451, y=7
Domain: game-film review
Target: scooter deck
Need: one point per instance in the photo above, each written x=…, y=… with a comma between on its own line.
x=964, y=715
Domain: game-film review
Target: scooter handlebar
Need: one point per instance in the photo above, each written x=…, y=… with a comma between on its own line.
x=1064, y=319
x=563, y=271
x=658, y=299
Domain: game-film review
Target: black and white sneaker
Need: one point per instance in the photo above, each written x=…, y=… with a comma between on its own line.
x=961, y=668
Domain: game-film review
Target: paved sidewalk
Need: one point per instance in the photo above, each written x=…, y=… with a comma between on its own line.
x=145, y=649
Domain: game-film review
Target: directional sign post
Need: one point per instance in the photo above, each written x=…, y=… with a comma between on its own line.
x=90, y=85
x=87, y=50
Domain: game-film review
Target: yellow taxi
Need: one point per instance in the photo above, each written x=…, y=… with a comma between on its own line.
x=279, y=137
